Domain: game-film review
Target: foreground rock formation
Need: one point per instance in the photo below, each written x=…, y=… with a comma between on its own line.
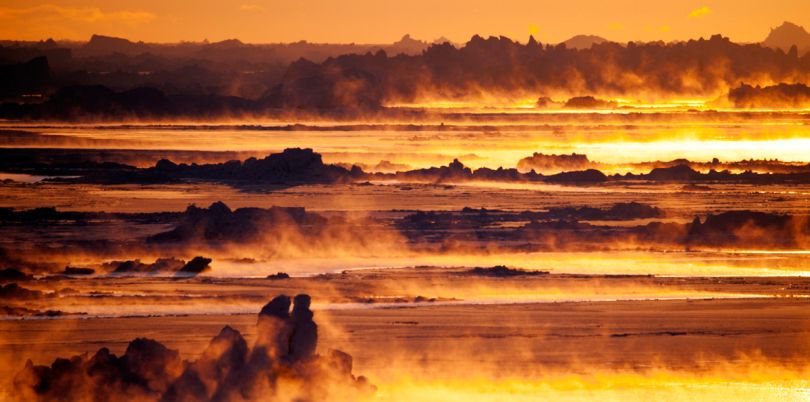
x=282, y=365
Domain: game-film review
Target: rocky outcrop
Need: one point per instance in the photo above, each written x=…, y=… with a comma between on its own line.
x=283, y=363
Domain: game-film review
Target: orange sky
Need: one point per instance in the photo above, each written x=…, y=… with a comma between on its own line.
x=382, y=21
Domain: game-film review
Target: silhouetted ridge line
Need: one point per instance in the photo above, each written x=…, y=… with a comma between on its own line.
x=791, y=38
x=498, y=65
x=363, y=82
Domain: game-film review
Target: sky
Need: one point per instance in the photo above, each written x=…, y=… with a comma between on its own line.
x=385, y=21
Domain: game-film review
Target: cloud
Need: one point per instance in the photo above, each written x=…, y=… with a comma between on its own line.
x=251, y=7
x=80, y=14
x=699, y=12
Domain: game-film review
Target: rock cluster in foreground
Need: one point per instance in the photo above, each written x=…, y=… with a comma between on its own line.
x=282, y=365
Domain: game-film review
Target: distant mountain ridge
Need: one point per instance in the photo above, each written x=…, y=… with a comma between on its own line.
x=788, y=35
x=584, y=41
x=214, y=79
x=102, y=45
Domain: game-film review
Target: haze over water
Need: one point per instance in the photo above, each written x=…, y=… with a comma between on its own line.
x=618, y=215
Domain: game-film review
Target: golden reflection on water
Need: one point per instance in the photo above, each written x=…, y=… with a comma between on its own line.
x=601, y=387
x=493, y=141
x=674, y=264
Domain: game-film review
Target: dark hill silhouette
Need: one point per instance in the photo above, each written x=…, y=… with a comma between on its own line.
x=308, y=86
x=58, y=57
x=500, y=66
x=227, y=68
x=408, y=45
x=100, y=45
x=210, y=80
x=32, y=77
x=77, y=102
x=441, y=40
x=583, y=41
x=788, y=35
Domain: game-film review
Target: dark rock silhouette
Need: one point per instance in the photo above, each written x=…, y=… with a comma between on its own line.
x=750, y=228
x=787, y=36
x=589, y=102
x=292, y=166
x=307, y=85
x=501, y=271
x=409, y=45
x=775, y=96
x=161, y=266
x=88, y=101
x=544, y=102
x=304, y=337
x=47, y=162
x=557, y=163
x=469, y=218
x=219, y=363
x=274, y=330
x=13, y=275
x=101, y=45
x=585, y=176
x=150, y=360
x=387, y=166
x=757, y=165
x=77, y=102
x=456, y=172
x=568, y=228
x=59, y=57
x=30, y=78
x=33, y=215
x=16, y=311
x=78, y=271
x=226, y=370
x=297, y=166
x=144, y=371
x=675, y=173
x=194, y=267
x=619, y=211
x=218, y=225
x=13, y=291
